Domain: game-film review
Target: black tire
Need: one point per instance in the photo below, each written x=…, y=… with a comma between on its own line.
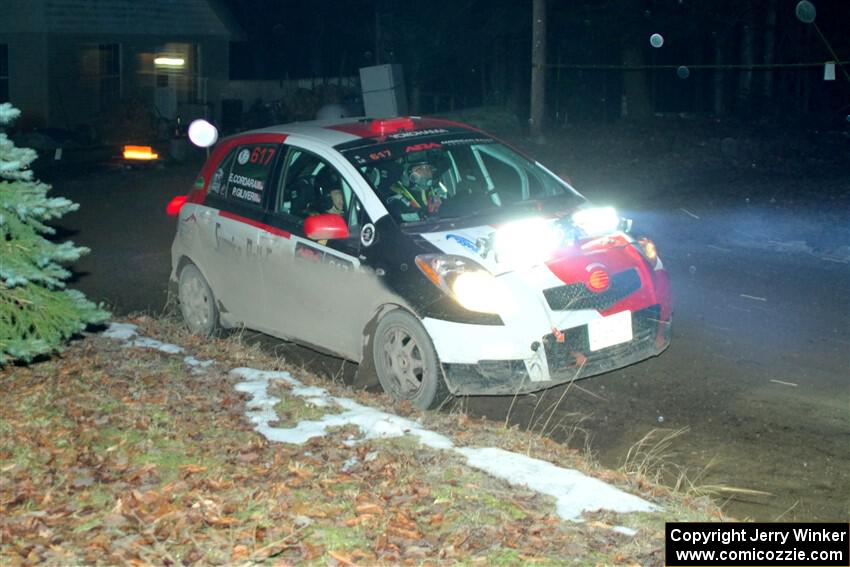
x=197, y=302
x=406, y=361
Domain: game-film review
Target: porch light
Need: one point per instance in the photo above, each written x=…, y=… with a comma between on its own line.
x=169, y=62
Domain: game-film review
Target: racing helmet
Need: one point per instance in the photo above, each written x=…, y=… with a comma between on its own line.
x=419, y=174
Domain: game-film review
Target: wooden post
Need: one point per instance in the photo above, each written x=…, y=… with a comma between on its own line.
x=538, y=70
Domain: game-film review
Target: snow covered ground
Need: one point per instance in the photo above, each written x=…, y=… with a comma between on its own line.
x=573, y=491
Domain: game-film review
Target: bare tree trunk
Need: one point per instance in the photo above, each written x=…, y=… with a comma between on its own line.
x=769, y=50
x=637, y=104
x=718, y=78
x=538, y=70
x=745, y=83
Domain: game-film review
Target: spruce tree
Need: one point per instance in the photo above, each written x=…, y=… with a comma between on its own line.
x=37, y=313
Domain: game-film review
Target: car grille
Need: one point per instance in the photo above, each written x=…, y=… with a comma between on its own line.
x=578, y=296
x=563, y=356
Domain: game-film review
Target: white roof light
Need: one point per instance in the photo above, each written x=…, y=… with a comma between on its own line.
x=202, y=133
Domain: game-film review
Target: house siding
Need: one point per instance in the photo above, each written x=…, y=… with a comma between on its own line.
x=28, y=88
x=46, y=40
x=74, y=100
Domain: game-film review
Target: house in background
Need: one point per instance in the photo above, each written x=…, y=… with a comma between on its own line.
x=67, y=63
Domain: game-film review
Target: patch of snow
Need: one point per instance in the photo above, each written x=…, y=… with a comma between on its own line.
x=146, y=342
x=624, y=530
x=373, y=424
x=192, y=361
x=120, y=331
x=309, y=392
x=574, y=492
x=349, y=464
x=254, y=374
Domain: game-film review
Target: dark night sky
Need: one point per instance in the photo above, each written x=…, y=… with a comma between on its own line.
x=478, y=51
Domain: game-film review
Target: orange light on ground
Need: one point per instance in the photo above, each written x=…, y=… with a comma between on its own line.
x=144, y=153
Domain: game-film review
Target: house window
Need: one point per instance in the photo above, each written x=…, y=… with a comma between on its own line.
x=109, y=75
x=178, y=66
x=101, y=74
x=4, y=72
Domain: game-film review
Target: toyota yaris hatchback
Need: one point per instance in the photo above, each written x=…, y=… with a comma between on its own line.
x=440, y=259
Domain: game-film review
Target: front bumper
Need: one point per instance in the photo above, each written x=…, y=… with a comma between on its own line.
x=564, y=361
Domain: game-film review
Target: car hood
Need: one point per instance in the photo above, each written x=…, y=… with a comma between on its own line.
x=478, y=244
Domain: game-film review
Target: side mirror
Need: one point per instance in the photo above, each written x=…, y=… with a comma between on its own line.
x=325, y=227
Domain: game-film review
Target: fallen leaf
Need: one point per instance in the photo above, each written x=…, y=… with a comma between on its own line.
x=239, y=552
x=368, y=508
x=341, y=557
x=186, y=470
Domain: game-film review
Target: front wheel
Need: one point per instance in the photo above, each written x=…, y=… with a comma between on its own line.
x=406, y=361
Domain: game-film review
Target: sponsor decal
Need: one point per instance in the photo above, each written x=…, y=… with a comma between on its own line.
x=218, y=178
x=243, y=156
x=199, y=182
x=466, y=141
x=310, y=254
x=463, y=241
x=416, y=133
x=367, y=234
x=422, y=147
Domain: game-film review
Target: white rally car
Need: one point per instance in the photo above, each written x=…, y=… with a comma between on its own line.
x=440, y=259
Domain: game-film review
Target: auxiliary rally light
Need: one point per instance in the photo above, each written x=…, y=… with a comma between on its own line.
x=140, y=153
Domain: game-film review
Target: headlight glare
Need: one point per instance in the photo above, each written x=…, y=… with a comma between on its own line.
x=527, y=242
x=597, y=221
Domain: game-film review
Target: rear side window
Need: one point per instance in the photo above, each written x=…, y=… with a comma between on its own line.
x=250, y=168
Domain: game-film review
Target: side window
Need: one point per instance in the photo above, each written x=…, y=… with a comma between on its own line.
x=311, y=186
x=217, y=184
x=249, y=173
x=506, y=181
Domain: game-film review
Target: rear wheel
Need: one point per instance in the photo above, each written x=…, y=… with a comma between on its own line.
x=406, y=361
x=197, y=302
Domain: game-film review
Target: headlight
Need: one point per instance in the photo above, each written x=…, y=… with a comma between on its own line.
x=473, y=287
x=597, y=221
x=527, y=242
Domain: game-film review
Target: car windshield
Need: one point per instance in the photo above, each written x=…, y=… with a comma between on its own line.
x=453, y=175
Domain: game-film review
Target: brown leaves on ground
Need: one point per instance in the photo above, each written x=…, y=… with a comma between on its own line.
x=123, y=456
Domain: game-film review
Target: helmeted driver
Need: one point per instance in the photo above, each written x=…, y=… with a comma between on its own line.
x=418, y=188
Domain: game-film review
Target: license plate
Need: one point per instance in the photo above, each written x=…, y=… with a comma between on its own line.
x=610, y=331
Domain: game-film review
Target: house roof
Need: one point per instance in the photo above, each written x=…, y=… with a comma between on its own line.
x=126, y=17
